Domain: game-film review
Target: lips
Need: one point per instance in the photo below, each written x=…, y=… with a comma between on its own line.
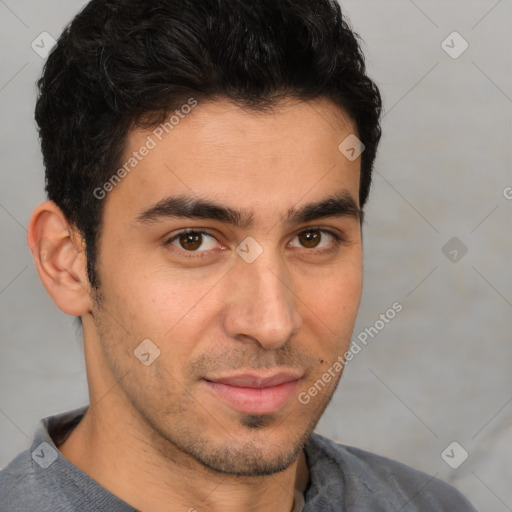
x=252, y=393
x=255, y=381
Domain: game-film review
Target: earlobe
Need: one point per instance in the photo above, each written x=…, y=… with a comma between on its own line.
x=59, y=255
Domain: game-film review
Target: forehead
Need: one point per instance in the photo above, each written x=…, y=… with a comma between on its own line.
x=260, y=161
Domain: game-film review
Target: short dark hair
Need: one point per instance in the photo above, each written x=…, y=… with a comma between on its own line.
x=122, y=64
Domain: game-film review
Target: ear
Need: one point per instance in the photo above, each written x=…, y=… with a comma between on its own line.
x=59, y=255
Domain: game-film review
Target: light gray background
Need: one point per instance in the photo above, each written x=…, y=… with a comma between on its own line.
x=441, y=370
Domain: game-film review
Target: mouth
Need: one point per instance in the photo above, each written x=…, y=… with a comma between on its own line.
x=252, y=393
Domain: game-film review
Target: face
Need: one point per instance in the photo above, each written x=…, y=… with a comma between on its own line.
x=234, y=246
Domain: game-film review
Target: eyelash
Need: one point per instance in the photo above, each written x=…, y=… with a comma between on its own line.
x=338, y=240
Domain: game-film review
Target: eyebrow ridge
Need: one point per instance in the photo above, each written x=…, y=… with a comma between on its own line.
x=341, y=204
x=188, y=207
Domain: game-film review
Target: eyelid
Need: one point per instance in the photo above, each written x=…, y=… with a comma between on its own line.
x=190, y=254
x=338, y=238
x=184, y=231
x=330, y=231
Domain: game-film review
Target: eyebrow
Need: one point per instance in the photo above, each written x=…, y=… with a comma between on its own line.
x=341, y=204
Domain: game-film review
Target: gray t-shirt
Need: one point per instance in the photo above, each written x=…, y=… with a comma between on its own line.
x=342, y=479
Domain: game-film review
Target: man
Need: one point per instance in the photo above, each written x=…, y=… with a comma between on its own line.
x=207, y=166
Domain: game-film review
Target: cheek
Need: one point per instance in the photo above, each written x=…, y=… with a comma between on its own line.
x=336, y=295
x=174, y=311
x=333, y=303
x=146, y=295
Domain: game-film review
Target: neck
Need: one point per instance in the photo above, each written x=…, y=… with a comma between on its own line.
x=122, y=453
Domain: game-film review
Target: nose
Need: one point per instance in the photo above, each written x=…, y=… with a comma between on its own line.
x=261, y=304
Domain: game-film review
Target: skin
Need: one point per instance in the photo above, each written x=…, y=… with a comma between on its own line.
x=156, y=436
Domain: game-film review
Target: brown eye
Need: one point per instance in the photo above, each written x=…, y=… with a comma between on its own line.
x=193, y=241
x=190, y=241
x=309, y=239
x=320, y=240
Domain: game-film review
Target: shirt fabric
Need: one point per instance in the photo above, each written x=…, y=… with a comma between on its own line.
x=341, y=479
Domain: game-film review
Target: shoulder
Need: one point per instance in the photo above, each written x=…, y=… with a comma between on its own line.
x=32, y=481
x=17, y=474
x=41, y=479
x=363, y=480
x=20, y=490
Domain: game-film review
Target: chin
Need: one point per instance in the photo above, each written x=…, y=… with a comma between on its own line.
x=261, y=452
x=248, y=461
